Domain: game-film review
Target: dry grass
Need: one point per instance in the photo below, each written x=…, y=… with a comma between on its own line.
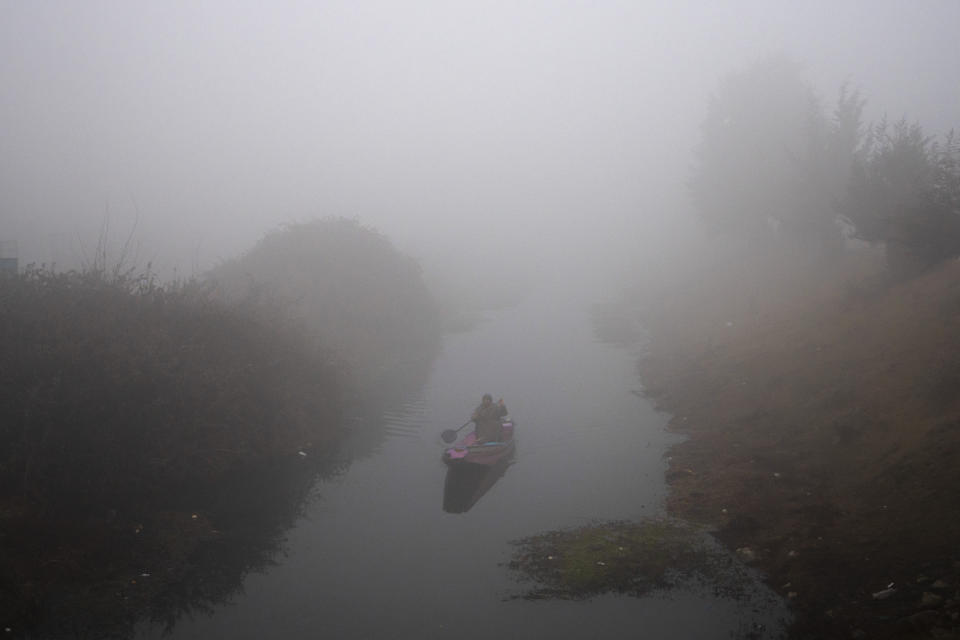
x=822, y=411
x=114, y=390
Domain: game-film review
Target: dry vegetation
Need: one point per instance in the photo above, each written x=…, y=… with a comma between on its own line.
x=114, y=389
x=358, y=295
x=122, y=402
x=156, y=440
x=823, y=419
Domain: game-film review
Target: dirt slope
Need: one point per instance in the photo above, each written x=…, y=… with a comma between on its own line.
x=823, y=416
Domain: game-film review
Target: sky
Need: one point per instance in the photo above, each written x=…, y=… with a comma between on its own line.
x=552, y=134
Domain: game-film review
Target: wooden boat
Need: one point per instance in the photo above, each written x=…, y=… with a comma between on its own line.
x=468, y=452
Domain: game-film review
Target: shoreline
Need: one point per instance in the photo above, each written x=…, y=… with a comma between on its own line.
x=819, y=450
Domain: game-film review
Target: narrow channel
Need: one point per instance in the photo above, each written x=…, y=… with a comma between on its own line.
x=376, y=555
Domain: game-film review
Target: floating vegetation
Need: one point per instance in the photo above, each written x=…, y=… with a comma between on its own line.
x=632, y=558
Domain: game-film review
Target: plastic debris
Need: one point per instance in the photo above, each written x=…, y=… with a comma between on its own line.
x=193, y=517
x=886, y=593
x=303, y=454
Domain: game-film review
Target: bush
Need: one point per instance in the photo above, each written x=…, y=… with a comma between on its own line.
x=116, y=389
x=905, y=194
x=348, y=285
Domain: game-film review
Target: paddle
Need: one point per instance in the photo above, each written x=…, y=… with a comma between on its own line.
x=451, y=434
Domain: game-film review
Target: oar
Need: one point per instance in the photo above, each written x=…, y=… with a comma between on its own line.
x=451, y=434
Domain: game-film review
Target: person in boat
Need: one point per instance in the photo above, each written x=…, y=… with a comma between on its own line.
x=487, y=418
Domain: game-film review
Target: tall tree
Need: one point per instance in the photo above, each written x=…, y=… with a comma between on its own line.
x=769, y=157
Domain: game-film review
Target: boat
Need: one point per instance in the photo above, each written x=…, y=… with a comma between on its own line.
x=467, y=452
x=465, y=484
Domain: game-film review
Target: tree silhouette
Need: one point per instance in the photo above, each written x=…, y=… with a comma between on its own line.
x=904, y=192
x=770, y=162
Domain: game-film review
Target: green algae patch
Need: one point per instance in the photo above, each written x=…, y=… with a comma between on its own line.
x=623, y=557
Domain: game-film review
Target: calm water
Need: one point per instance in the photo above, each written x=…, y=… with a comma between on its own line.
x=377, y=556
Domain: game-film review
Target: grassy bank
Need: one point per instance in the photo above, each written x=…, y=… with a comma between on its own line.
x=156, y=440
x=115, y=388
x=121, y=403
x=822, y=412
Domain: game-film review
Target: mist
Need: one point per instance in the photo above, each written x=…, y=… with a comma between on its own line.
x=554, y=135
x=696, y=262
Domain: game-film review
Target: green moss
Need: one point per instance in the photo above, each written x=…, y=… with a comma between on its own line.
x=625, y=557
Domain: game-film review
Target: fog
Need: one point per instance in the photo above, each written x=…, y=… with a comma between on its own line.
x=529, y=138
x=530, y=156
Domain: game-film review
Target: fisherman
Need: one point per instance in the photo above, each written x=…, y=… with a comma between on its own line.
x=487, y=418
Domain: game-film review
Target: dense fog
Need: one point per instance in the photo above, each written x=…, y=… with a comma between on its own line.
x=527, y=139
x=689, y=269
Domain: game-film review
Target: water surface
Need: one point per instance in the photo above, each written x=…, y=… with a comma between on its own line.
x=377, y=556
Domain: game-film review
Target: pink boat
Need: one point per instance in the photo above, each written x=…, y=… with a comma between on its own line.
x=467, y=451
x=465, y=484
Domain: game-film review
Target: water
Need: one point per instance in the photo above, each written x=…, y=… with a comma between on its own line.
x=377, y=556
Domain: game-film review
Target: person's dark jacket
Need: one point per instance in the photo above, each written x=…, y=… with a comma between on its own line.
x=487, y=418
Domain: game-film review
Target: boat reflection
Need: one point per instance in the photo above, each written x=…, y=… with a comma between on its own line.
x=466, y=484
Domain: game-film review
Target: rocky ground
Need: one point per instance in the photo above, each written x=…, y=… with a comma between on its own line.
x=822, y=416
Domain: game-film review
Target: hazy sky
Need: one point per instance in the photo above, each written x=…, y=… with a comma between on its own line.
x=539, y=128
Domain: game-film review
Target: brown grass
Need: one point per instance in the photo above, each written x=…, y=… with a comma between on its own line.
x=824, y=425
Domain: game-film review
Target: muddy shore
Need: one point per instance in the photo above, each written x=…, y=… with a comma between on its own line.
x=822, y=421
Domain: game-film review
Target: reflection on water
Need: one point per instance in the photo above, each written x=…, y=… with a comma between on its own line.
x=465, y=485
x=393, y=408
x=250, y=514
x=246, y=518
x=192, y=556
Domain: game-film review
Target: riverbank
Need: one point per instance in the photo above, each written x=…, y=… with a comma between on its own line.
x=823, y=436
x=129, y=413
x=157, y=439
